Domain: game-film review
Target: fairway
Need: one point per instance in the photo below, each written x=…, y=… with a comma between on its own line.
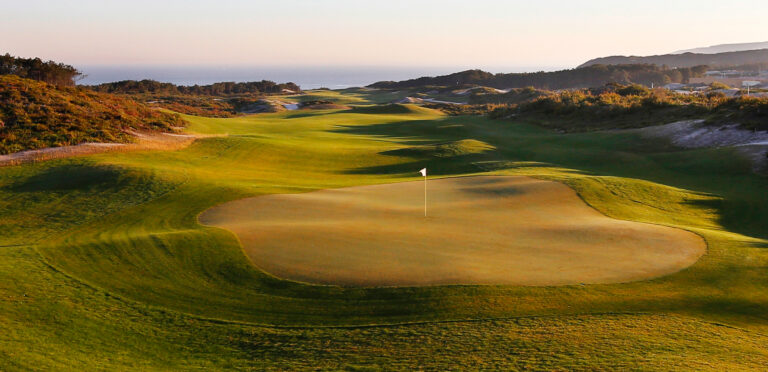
x=479, y=230
x=105, y=257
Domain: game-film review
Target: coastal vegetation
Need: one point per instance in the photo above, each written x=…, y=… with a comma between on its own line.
x=615, y=106
x=587, y=77
x=215, y=89
x=35, y=68
x=35, y=114
x=224, y=99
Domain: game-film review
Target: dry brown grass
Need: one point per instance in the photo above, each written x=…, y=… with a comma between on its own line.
x=480, y=230
x=143, y=141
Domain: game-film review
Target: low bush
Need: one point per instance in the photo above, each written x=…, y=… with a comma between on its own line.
x=634, y=106
x=35, y=115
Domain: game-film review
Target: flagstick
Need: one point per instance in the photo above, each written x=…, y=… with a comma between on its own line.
x=423, y=172
x=425, y=195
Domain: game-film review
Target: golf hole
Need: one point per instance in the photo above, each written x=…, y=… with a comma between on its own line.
x=479, y=230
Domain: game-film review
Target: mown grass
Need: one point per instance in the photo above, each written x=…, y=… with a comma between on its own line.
x=53, y=322
x=134, y=281
x=365, y=96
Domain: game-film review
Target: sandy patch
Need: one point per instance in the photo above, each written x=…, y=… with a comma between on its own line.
x=144, y=141
x=696, y=134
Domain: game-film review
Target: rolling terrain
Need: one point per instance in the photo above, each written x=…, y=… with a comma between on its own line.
x=37, y=115
x=593, y=75
x=724, y=48
x=105, y=264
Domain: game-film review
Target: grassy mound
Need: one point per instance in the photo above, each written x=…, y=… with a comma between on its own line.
x=35, y=115
x=321, y=105
x=444, y=150
x=191, y=105
x=393, y=108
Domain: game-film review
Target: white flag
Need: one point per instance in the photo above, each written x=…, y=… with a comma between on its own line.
x=423, y=172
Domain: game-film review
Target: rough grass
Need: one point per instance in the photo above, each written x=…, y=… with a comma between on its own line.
x=141, y=142
x=129, y=280
x=35, y=115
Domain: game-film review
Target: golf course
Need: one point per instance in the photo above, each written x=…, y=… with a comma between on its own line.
x=298, y=240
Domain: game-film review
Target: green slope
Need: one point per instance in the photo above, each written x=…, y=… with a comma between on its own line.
x=126, y=278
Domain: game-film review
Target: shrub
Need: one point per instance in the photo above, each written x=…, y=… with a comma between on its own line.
x=634, y=90
x=36, y=115
x=718, y=85
x=617, y=106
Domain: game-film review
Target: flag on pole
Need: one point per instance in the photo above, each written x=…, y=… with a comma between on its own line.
x=423, y=172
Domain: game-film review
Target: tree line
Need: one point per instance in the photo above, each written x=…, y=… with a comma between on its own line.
x=35, y=68
x=216, y=89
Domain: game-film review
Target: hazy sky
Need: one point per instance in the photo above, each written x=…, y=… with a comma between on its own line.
x=495, y=35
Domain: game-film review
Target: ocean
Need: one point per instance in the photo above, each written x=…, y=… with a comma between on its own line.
x=305, y=77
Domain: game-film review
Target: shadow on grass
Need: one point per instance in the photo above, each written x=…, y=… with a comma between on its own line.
x=744, y=216
x=303, y=114
x=740, y=203
x=437, y=166
x=392, y=108
x=410, y=132
x=761, y=245
x=749, y=311
x=68, y=177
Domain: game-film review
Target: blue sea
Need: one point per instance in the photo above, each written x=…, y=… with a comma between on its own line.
x=306, y=77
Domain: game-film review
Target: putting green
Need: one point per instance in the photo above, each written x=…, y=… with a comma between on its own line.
x=479, y=230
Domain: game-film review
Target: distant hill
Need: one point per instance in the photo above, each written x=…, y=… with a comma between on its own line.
x=591, y=76
x=35, y=115
x=716, y=60
x=725, y=48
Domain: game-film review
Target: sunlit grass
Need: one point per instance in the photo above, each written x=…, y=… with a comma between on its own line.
x=139, y=276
